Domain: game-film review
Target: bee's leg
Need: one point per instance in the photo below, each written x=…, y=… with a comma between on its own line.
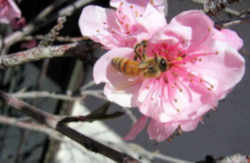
x=140, y=46
x=137, y=56
x=144, y=46
x=137, y=52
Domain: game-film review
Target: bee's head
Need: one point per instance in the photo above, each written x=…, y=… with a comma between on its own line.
x=162, y=63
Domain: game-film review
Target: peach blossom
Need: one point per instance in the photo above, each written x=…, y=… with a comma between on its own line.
x=205, y=63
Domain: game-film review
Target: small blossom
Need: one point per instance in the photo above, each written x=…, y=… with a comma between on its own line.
x=8, y=11
x=203, y=63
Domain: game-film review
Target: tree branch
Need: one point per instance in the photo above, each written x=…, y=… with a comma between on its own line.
x=80, y=50
x=40, y=22
x=34, y=55
x=57, y=124
x=44, y=94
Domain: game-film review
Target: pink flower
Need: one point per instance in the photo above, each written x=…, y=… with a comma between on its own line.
x=203, y=63
x=8, y=11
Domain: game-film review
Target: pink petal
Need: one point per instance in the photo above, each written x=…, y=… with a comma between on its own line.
x=229, y=36
x=207, y=97
x=139, y=5
x=122, y=97
x=190, y=125
x=149, y=98
x=9, y=11
x=16, y=11
x=154, y=100
x=160, y=131
x=142, y=12
x=174, y=33
x=223, y=71
x=95, y=28
x=100, y=71
x=150, y=15
x=137, y=128
x=162, y=36
x=200, y=24
x=100, y=25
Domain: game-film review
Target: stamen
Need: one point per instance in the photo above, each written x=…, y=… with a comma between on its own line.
x=193, y=79
x=190, y=56
x=171, y=91
x=179, y=58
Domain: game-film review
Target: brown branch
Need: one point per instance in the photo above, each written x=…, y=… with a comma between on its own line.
x=57, y=124
x=80, y=50
x=34, y=55
x=94, y=146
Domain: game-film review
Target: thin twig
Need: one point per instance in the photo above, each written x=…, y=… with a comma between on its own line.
x=69, y=97
x=225, y=9
x=48, y=40
x=57, y=38
x=55, y=123
x=38, y=23
x=44, y=94
x=88, y=85
x=39, y=115
x=149, y=155
x=56, y=135
x=130, y=114
x=212, y=7
x=27, y=125
x=235, y=21
x=94, y=145
x=22, y=141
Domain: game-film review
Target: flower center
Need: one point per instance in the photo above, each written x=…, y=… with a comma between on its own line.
x=176, y=76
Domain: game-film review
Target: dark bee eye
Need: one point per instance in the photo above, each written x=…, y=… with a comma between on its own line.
x=163, y=65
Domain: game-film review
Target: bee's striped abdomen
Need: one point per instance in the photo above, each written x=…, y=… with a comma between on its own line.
x=126, y=66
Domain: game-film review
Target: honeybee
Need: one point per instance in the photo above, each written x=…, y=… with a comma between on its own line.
x=141, y=65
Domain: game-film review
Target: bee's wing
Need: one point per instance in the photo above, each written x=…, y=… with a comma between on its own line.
x=145, y=64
